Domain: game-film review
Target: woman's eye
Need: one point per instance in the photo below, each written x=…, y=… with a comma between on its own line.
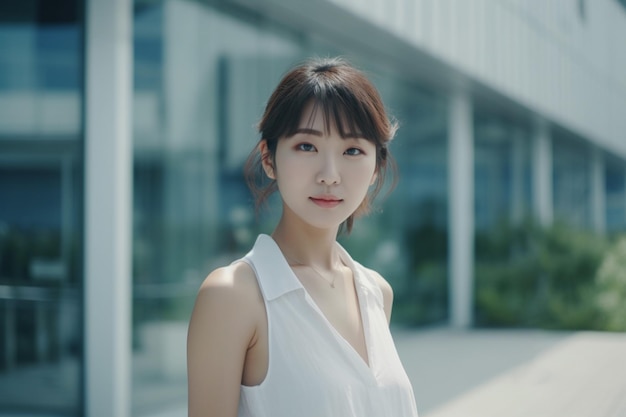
x=354, y=151
x=306, y=147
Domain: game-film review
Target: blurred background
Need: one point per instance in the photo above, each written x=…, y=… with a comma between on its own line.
x=510, y=211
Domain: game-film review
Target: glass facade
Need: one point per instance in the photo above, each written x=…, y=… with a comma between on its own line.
x=502, y=172
x=571, y=183
x=503, y=203
x=407, y=239
x=615, y=186
x=41, y=193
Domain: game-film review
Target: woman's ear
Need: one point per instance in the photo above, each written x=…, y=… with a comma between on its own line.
x=266, y=159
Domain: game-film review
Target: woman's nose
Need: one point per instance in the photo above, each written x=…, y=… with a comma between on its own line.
x=328, y=171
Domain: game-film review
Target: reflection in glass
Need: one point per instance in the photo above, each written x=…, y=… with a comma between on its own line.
x=571, y=181
x=615, y=185
x=503, y=211
x=406, y=241
x=40, y=208
x=502, y=173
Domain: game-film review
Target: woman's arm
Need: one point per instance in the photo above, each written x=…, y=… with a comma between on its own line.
x=221, y=329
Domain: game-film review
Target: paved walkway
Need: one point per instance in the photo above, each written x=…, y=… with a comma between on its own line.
x=510, y=373
x=474, y=373
x=516, y=373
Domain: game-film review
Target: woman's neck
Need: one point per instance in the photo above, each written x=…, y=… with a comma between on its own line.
x=305, y=245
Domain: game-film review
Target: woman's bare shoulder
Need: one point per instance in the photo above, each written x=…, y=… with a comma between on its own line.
x=238, y=279
x=232, y=290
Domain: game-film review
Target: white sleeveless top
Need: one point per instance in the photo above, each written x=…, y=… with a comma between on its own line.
x=313, y=371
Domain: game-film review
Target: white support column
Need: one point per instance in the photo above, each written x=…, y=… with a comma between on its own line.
x=598, y=190
x=108, y=203
x=542, y=173
x=461, y=209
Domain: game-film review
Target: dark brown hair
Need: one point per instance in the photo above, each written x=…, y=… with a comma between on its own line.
x=349, y=101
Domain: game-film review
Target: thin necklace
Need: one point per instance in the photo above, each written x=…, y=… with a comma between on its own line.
x=332, y=283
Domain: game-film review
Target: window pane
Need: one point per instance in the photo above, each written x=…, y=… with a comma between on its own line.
x=41, y=208
x=571, y=181
x=615, y=183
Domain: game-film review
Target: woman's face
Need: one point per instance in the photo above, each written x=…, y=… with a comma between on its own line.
x=322, y=177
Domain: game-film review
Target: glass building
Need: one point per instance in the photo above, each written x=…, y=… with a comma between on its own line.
x=41, y=207
x=124, y=126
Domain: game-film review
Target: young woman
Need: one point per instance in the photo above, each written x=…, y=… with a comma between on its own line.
x=297, y=328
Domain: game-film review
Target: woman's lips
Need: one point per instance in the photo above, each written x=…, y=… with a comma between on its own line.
x=326, y=201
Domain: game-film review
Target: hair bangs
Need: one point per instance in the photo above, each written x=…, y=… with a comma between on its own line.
x=348, y=117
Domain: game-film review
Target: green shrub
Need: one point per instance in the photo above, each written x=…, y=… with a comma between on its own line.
x=528, y=276
x=610, y=281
